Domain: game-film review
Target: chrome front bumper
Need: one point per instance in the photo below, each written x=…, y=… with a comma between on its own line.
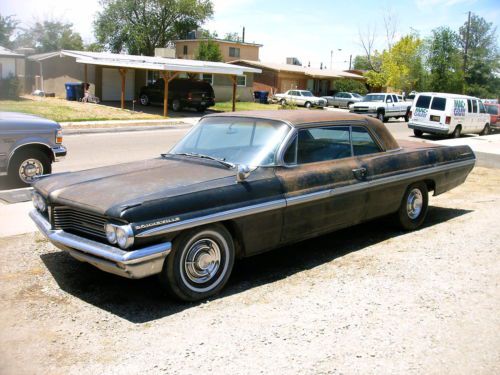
x=59, y=152
x=134, y=264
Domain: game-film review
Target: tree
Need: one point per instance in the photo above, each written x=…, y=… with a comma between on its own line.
x=444, y=61
x=139, y=26
x=233, y=37
x=208, y=51
x=49, y=36
x=8, y=25
x=482, y=57
x=361, y=63
x=350, y=85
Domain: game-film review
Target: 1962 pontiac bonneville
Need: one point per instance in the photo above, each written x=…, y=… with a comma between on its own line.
x=239, y=184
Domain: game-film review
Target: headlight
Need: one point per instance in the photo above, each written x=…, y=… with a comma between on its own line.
x=110, y=233
x=39, y=202
x=121, y=235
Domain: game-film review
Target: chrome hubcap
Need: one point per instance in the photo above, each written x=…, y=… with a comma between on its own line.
x=29, y=169
x=202, y=261
x=414, y=203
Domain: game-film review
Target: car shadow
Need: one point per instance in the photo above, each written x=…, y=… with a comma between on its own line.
x=140, y=301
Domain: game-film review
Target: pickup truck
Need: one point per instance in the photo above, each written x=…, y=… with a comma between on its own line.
x=301, y=98
x=383, y=106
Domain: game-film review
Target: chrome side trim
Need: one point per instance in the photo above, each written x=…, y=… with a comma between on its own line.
x=282, y=203
x=133, y=264
x=224, y=215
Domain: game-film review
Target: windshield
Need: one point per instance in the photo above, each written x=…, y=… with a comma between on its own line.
x=253, y=142
x=374, y=98
x=306, y=93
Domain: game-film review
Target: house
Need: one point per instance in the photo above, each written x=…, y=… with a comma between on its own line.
x=282, y=77
x=230, y=50
x=12, y=64
x=50, y=71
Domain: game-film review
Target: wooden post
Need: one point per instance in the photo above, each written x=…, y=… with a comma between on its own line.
x=123, y=73
x=167, y=77
x=85, y=77
x=234, y=92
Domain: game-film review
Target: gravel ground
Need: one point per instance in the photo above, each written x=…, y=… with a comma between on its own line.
x=368, y=300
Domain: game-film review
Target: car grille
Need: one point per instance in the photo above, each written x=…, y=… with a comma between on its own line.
x=78, y=222
x=360, y=109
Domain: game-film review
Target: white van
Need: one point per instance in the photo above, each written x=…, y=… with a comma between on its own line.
x=448, y=114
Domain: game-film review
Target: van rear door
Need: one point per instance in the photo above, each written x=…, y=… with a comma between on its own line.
x=437, y=110
x=421, y=113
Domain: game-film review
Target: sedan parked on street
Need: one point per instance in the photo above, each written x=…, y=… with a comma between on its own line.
x=343, y=99
x=303, y=98
x=28, y=146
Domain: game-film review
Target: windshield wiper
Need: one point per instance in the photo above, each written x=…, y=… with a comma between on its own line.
x=202, y=156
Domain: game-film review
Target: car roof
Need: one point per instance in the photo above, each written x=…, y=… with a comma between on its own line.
x=447, y=95
x=305, y=118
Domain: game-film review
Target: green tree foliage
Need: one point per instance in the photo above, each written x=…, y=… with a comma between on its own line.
x=233, y=37
x=208, y=51
x=139, y=26
x=444, y=61
x=350, y=85
x=483, y=59
x=49, y=36
x=8, y=25
x=361, y=63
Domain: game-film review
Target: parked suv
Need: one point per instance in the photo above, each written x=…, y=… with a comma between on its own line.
x=28, y=146
x=182, y=93
x=382, y=106
x=448, y=114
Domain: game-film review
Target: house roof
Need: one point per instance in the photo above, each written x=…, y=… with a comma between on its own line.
x=311, y=72
x=149, y=62
x=8, y=53
x=217, y=40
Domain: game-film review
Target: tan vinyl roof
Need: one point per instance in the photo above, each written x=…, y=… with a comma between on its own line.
x=312, y=72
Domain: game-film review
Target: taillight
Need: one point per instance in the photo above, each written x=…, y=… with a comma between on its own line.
x=59, y=137
x=447, y=120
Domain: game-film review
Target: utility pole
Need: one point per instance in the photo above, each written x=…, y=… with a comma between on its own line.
x=350, y=61
x=331, y=59
x=466, y=47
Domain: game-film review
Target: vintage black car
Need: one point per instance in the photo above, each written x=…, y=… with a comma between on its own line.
x=182, y=93
x=239, y=184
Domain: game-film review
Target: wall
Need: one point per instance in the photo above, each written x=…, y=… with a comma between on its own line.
x=223, y=89
x=247, y=52
x=8, y=66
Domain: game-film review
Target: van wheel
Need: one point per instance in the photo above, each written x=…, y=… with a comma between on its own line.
x=414, y=205
x=199, y=264
x=418, y=133
x=486, y=130
x=456, y=133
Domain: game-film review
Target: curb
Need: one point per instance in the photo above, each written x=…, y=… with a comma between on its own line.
x=122, y=129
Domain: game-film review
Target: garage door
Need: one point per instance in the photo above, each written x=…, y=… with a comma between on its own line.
x=112, y=84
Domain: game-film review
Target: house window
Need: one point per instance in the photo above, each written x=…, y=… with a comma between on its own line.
x=185, y=50
x=207, y=78
x=234, y=52
x=241, y=80
x=153, y=76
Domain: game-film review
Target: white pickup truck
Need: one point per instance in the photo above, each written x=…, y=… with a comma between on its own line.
x=300, y=97
x=382, y=106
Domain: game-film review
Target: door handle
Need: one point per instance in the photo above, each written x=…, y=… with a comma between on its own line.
x=359, y=173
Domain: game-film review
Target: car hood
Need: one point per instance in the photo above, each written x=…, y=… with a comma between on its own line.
x=367, y=104
x=15, y=120
x=111, y=190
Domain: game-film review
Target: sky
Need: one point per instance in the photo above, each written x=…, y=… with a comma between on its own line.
x=308, y=30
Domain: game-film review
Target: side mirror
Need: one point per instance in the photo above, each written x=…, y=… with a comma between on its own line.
x=243, y=171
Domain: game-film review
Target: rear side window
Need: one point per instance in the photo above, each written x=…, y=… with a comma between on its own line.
x=423, y=101
x=321, y=144
x=474, y=106
x=469, y=105
x=362, y=142
x=439, y=104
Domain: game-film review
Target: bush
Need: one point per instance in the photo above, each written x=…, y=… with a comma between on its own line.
x=10, y=88
x=350, y=85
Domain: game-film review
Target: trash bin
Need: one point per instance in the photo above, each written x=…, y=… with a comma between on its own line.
x=74, y=90
x=261, y=96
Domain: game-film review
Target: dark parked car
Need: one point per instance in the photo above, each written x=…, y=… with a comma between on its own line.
x=182, y=93
x=28, y=146
x=239, y=184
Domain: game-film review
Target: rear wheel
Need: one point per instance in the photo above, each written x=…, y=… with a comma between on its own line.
x=348, y=104
x=176, y=105
x=283, y=102
x=201, y=109
x=308, y=105
x=144, y=99
x=27, y=165
x=456, y=133
x=414, y=205
x=418, y=133
x=486, y=130
x=200, y=263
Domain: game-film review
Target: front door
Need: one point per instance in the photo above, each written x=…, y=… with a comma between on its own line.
x=319, y=182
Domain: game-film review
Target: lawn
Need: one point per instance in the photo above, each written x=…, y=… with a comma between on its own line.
x=61, y=110
x=243, y=106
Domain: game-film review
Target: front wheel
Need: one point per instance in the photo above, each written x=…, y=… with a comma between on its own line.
x=176, y=105
x=414, y=205
x=381, y=117
x=26, y=166
x=200, y=263
x=144, y=100
x=308, y=105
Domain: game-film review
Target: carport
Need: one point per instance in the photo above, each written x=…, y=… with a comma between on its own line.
x=168, y=68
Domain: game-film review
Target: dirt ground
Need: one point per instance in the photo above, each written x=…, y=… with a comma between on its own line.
x=367, y=300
